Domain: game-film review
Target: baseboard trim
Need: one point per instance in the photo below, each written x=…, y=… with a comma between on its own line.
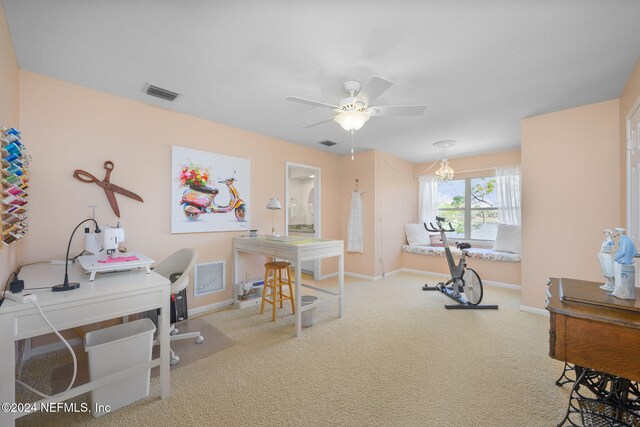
x=54, y=346
x=328, y=276
x=391, y=273
x=534, y=310
x=361, y=276
x=355, y=275
x=209, y=307
x=446, y=276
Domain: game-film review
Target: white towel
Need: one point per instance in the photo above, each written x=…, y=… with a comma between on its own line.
x=355, y=228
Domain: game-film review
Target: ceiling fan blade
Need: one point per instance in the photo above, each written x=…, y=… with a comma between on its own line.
x=398, y=110
x=318, y=123
x=310, y=102
x=375, y=87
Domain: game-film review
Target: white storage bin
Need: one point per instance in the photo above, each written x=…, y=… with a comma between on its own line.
x=114, y=349
x=308, y=316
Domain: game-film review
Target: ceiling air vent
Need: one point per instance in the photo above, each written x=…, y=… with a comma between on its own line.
x=161, y=93
x=328, y=143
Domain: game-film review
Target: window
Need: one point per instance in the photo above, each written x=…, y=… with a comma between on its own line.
x=471, y=206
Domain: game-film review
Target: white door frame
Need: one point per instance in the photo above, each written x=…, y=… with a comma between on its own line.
x=632, y=228
x=632, y=185
x=317, y=211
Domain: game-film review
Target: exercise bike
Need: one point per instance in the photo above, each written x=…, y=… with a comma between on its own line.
x=463, y=280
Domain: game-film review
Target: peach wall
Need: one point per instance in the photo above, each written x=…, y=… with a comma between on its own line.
x=363, y=168
x=397, y=191
x=570, y=193
x=70, y=127
x=628, y=97
x=9, y=117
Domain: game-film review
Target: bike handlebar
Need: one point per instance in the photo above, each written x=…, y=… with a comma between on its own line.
x=433, y=229
x=224, y=181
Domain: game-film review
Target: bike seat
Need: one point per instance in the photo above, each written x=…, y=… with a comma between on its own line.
x=463, y=245
x=206, y=190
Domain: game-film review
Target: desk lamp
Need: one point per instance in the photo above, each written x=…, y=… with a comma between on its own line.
x=274, y=205
x=66, y=286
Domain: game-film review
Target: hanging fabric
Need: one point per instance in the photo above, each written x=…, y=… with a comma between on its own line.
x=355, y=227
x=508, y=192
x=312, y=200
x=428, y=198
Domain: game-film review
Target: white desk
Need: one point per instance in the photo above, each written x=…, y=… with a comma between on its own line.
x=296, y=250
x=109, y=296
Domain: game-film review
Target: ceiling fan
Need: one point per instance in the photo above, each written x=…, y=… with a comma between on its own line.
x=354, y=110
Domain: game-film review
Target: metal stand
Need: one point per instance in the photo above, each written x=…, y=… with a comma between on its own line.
x=463, y=304
x=564, y=379
x=600, y=399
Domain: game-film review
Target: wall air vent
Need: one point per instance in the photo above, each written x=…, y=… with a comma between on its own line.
x=161, y=93
x=328, y=143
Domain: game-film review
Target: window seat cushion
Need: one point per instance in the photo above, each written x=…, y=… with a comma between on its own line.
x=477, y=253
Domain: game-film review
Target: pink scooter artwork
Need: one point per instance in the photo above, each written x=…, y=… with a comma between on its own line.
x=200, y=198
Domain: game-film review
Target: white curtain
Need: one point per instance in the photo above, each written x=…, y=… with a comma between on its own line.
x=508, y=192
x=355, y=227
x=428, y=199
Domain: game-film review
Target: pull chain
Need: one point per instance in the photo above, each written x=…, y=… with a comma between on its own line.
x=352, y=157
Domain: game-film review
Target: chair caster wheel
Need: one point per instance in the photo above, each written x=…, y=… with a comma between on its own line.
x=174, y=331
x=200, y=339
x=174, y=361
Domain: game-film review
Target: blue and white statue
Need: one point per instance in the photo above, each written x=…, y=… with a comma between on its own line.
x=605, y=256
x=625, y=272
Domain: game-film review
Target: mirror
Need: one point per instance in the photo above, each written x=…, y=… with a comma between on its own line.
x=302, y=207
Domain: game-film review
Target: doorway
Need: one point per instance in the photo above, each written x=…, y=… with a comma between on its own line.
x=302, y=207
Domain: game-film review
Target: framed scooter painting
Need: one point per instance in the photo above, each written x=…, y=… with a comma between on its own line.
x=209, y=191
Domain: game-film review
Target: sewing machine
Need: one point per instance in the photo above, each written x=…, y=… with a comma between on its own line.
x=108, y=240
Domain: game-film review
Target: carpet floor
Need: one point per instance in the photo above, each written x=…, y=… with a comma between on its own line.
x=397, y=358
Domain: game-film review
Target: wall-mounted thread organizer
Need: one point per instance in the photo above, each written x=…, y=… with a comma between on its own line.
x=14, y=199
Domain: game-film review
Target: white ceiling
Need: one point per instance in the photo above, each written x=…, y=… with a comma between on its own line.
x=480, y=66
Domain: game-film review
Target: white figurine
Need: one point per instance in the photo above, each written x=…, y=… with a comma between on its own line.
x=606, y=260
x=624, y=268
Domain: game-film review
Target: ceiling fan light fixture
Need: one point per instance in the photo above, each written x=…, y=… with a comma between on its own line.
x=352, y=120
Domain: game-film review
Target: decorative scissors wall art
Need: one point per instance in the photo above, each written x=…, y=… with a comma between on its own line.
x=109, y=188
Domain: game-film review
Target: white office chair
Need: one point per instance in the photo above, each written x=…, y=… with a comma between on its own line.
x=177, y=268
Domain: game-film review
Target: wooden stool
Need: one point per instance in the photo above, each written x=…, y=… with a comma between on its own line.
x=274, y=283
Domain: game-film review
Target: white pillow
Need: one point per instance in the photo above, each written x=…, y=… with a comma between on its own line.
x=417, y=235
x=508, y=239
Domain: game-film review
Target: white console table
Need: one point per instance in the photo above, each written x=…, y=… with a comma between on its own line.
x=109, y=296
x=296, y=250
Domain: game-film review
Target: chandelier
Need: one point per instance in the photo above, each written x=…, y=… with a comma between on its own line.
x=445, y=172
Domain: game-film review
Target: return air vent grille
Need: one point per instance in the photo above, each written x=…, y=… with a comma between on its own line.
x=328, y=143
x=161, y=93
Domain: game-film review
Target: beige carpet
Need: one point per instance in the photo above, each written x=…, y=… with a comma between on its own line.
x=397, y=358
